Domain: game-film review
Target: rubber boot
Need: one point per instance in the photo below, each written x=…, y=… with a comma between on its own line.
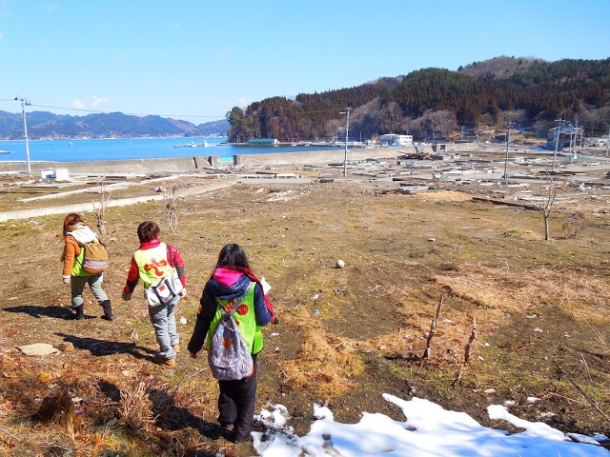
x=79, y=313
x=107, y=310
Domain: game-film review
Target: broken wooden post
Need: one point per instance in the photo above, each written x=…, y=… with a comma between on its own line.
x=473, y=336
x=433, y=329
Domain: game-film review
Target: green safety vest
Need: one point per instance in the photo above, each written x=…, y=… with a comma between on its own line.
x=77, y=266
x=246, y=322
x=153, y=264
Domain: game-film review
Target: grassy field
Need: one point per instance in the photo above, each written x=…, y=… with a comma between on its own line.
x=537, y=313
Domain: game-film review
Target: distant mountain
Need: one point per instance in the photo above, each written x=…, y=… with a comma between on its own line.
x=42, y=124
x=502, y=67
x=435, y=103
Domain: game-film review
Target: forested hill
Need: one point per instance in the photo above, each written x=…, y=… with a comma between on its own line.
x=433, y=102
x=42, y=124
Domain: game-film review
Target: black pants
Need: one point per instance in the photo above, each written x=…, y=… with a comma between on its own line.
x=236, y=403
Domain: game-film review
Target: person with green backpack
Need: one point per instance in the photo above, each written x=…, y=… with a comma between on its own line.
x=79, y=270
x=233, y=292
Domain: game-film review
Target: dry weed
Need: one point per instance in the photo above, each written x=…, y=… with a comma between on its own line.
x=510, y=291
x=520, y=234
x=326, y=364
x=136, y=407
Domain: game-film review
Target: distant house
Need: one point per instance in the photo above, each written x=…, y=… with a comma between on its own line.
x=469, y=131
x=397, y=140
x=263, y=141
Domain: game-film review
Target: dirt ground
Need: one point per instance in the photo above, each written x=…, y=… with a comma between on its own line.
x=536, y=312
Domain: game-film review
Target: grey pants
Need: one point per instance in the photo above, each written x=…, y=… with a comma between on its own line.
x=77, y=286
x=164, y=322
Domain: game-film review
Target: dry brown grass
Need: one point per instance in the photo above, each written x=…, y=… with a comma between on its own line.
x=507, y=291
x=344, y=332
x=326, y=365
x=135, y=407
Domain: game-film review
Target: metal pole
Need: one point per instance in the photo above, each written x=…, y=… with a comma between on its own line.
x=506, y=160
x=557, y=141
x=25, y=129
x=346, y=137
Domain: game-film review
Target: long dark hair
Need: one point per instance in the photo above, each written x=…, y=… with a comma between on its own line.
x=232, y=256
x=70, y=220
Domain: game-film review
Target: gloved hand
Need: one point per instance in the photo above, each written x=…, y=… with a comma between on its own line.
x=125, y=296
x=66, y=279
x=183, y=293
x=275, y=320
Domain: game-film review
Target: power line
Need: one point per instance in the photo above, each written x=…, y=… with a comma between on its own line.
x=129, y=114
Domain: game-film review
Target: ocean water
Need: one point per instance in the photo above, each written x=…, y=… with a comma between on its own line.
x=149, y=148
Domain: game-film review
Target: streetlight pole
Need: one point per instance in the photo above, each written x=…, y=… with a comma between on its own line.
x=346, y=137
x=25, y=103
x=507, y=141
x=557, y=140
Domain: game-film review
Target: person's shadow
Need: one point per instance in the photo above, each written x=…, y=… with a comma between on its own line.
x=172, y=417
x=100, y=348
x=168, y=416
x=56, y=312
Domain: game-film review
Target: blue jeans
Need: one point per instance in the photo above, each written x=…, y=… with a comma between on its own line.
x=77, y=286
x=164, y=322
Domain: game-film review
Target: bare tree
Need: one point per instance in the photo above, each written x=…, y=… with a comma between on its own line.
x=443, y=121
x=104, y=198
x=170, y=201
x=548, y=204
x=513, y=117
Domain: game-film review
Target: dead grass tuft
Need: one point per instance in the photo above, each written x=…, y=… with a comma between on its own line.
x=503, y=290
x=136, y=407
x=520, y=234
x=326, y=365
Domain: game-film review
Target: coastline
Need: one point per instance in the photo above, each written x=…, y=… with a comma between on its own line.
x=195, y=163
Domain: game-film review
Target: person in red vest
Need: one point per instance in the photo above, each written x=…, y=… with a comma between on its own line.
x=152, y=262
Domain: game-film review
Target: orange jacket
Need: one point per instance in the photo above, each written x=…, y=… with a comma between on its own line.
x=71, y=252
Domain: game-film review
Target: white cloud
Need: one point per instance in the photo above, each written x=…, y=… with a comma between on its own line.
x=50, y=7
x=121, y=57
x=241, y=102
x=1, y=35
x=224, y=54
x=89, y=103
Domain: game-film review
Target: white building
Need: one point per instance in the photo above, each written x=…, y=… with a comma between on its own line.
x=394, y=139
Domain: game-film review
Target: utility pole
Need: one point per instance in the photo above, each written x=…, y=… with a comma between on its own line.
x=557, y=141
x=346, y=137
x=507, y=141
x=25, y=103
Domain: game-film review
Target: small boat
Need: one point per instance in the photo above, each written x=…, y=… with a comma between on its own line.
x=192, y=144
x=4, y=152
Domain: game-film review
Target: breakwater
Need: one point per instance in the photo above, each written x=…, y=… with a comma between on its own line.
x=290, y=160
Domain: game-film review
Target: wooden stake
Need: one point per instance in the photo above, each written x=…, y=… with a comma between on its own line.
x=433, y=329
x=473, y=337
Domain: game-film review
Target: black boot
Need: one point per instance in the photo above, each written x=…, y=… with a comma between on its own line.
x=107, y=310
x=79, y=313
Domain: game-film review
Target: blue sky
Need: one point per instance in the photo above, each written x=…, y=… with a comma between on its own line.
x=196, y=59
